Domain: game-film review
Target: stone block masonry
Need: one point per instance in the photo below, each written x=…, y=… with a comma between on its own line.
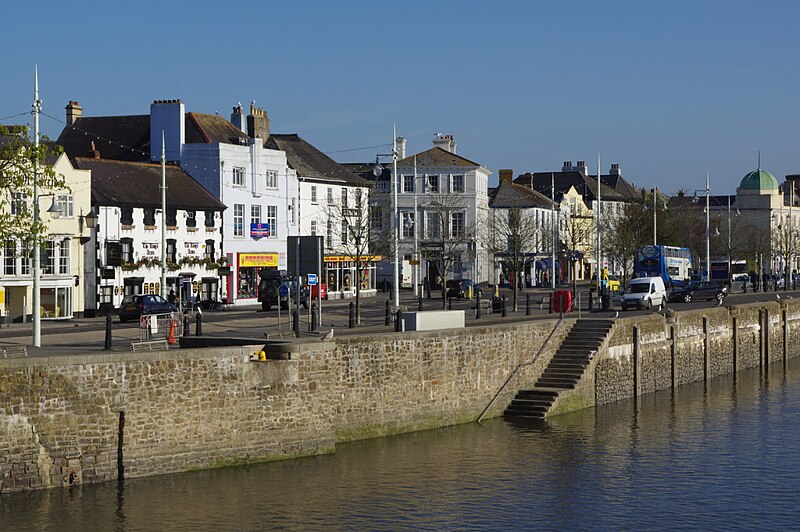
x=83, y=419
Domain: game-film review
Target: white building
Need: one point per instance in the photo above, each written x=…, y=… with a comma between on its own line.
x=448, y=197
x=330, y=196
x=254, y=182
x=127, y=199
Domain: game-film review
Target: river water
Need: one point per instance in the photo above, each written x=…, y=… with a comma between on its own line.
x=720, y=456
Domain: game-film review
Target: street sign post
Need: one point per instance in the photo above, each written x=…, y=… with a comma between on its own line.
x=312, y=279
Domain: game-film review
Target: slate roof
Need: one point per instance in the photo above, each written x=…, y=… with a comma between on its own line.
x=114, y=136
x=511, y=195
x=619, y=184
x=125, y=183
x=585, y=185
x=436, y=157
x=311, y=163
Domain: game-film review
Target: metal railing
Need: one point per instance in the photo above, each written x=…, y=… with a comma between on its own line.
x=524, y=364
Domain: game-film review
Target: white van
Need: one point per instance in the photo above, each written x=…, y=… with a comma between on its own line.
x=645, y=292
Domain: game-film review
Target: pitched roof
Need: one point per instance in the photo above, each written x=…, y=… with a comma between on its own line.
x=309, y=162
x=436, y=157
x=618, y=183
x=119, y=183
x=127, y=137
x=586, y=185
x=511, y=195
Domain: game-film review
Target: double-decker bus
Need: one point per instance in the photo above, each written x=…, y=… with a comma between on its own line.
x=672, y=264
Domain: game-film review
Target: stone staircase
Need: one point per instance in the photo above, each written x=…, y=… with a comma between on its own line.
x=564, y=371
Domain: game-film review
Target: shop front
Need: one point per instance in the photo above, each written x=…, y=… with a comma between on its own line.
x=342, y=273
x=246, y=276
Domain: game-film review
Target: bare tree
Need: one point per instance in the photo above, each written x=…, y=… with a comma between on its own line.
x=576, y=234
x=448, y=236
x=785, y=242
x=512, y=238
x=354, y=235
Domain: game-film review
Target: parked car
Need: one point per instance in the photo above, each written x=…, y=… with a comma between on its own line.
x=613, y=283
x=699, y=290
x=462, y=288
x=271, y=285
x=134, y=306
x=645, y=292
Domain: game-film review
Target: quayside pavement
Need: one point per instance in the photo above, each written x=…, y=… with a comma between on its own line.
x=87, y=335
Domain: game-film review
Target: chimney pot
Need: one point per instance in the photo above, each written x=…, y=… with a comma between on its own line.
x=74, y=112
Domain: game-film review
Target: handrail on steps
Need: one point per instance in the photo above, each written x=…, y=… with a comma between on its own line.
x=535, y=358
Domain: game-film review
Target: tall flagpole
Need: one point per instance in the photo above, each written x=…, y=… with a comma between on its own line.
x=599, y=206
x=396, y=235
x=37, y=240
x=553, y=231
x=655, y=207
x=163, y=217
x=708, y=236
x=416, y=256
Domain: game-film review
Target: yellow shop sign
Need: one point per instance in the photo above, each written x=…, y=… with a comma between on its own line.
x=258, y=260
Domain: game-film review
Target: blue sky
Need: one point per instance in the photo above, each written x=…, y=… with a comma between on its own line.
x=669, y=90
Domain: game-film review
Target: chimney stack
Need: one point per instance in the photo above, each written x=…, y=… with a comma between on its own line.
x=74, y=112
x=581, y=167
x=445, y=142
x=567, y=166
x=506, y=176
x=615, y=170
x=237, y=119
x=167, y=116
x=257, y=123
x=400, y=146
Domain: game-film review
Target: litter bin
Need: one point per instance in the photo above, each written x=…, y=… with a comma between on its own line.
x=562, y=300
x=605, y=302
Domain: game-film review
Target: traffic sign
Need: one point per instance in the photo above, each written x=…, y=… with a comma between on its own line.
x=283, y=290
x=312, y=279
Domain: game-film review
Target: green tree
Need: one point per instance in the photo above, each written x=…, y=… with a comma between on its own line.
x=19, y=160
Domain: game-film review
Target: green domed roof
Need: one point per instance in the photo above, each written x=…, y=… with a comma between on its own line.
x=759, y=180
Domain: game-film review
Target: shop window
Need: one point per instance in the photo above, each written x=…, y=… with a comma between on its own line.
x=248, y=282
x=106, y=294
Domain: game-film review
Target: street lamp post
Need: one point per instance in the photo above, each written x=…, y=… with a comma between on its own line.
x=54, y=210
x=377, y=170
x=708, y=223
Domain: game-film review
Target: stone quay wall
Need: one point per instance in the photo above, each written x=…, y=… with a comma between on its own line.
x=81, y=419
x=650, y=353
x=94, y=418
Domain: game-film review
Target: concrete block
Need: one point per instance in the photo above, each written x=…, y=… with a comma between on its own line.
x=432, y=320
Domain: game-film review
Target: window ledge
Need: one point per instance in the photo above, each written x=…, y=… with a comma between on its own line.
x=150, y=227
x=128, y=227
x=210, y=229
x=192, y=229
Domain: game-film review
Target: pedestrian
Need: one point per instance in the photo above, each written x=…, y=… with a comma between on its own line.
x=171, y=297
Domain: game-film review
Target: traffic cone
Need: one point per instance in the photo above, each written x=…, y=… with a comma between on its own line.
x=171, y=335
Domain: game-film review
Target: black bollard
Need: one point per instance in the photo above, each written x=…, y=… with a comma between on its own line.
x=503, y=307
x=185, y=325
x=198, y=326
x=450, y=303
x=419, y=303
x=296, y=323
x=388, y=313
x=108, y=332
x=590, y=300
x=478, y=307
x=527, y=304
x=550, y=305
x=313, y=325
x=351, y=316
x=398, y=321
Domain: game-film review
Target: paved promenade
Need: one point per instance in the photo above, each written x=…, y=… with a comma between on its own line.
x=87, y=335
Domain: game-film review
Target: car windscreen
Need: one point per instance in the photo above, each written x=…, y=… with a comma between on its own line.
x=638, y=288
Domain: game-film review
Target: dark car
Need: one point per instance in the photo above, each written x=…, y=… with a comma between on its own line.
x=136, y=305
x=276, y=286
x=699, y=290
x=462, y=288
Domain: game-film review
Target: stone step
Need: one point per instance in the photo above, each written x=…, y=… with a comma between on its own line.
x=521, y=415
x=511, y=411
x=557, y=383
x=538, y=393
x=562, y=373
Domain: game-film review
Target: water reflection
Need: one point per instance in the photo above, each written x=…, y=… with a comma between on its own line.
x=722, y=455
